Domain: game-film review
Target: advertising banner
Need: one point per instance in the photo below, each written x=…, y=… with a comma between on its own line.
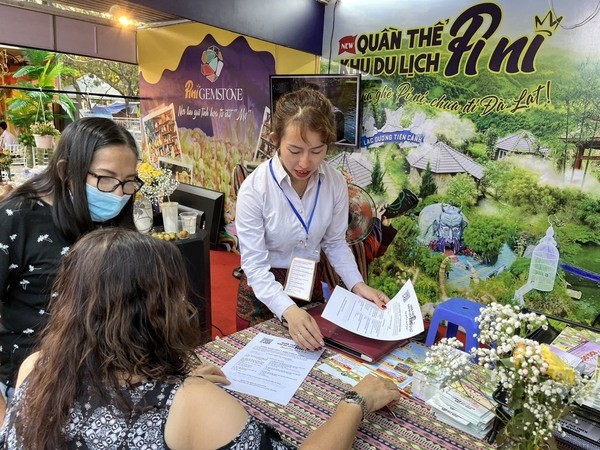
x=488, y=111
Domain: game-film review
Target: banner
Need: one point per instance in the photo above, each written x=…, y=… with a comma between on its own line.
x=488, y=110
x=204, y=94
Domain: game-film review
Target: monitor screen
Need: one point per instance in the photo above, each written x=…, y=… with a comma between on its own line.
x=206, y=200
x=342, y=90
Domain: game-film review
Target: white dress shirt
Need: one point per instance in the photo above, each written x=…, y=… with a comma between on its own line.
x=7, y=139
x=269, y=231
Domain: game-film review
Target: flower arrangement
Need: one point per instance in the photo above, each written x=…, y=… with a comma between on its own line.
x=5, y=161
x=157, y=182
x=537, y=385
x=44, y=129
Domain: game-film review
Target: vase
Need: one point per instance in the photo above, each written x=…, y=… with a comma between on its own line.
x=29, y=157
x=143, y=215
x=46, y=141
x=157, y=220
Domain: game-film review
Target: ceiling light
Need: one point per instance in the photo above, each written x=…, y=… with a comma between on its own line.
x=120, y=15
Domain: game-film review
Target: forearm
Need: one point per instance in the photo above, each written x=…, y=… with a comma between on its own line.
x=339, y=432
x=2, y=409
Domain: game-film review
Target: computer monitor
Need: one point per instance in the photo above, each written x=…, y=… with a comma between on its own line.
x=342, y=90
x=206, y=200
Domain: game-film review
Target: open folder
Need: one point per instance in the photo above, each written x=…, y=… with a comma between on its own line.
x=351, y=343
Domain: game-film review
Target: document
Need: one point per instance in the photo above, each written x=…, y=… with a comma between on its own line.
x=400, y=320
x=270, y=367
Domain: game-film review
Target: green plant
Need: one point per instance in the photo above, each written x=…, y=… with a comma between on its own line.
x=33, y=102
x=377, y=186
x=26, y=139
x=44, y=129
x=428, y=186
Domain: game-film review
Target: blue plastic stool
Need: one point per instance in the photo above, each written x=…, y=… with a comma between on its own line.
x=457, y=312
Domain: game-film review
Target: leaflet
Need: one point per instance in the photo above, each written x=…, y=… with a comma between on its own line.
x=400, y=320
x=270, y=367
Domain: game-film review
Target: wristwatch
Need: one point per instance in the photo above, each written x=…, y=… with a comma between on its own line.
x=356, y=398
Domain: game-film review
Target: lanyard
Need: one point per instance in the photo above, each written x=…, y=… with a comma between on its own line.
x=312, y=213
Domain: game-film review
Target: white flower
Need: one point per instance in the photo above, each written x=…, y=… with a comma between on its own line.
x=515, y=362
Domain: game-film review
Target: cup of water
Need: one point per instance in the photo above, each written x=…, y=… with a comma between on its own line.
x=188, y=221
x=169, y=213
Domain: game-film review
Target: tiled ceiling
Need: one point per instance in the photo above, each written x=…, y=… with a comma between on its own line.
x=95, y=10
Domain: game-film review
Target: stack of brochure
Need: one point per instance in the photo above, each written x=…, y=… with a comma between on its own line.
x=467, y=404
x=580, y=348
x=470, y=413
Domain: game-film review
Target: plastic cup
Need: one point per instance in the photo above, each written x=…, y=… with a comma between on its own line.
x=169, y=213
x=188, y=221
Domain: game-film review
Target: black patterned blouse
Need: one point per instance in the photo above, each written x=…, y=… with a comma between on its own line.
x=95, y=424
x=31, y=250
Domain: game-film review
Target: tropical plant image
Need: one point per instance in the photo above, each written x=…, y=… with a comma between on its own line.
x=38, y=77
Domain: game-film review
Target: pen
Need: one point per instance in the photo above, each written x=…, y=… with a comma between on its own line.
x=404, y=393
x=391, y=411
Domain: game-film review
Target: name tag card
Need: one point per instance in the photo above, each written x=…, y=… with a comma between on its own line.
x=300, y=278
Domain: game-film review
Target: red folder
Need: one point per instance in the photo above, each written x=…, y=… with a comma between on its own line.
x=346, y=341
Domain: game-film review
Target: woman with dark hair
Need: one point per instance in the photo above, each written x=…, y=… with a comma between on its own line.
x=113, y=364
x=294, y=204
x=89, y=181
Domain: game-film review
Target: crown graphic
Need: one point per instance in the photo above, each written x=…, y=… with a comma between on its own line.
x=548, y=24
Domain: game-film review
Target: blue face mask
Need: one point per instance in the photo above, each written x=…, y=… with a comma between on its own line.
x=104, y=206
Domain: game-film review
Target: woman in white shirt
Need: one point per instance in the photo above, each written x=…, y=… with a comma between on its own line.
x=294, y=204
x=6, y=137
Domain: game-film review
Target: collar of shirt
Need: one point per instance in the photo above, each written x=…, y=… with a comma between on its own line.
x=268, y=231
x=283, y=178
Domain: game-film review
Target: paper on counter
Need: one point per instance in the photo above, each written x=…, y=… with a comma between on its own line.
x=400, y=320
x=270, y=367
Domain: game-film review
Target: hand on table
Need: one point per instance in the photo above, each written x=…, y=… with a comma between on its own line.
x=377, y=392
x=303, y=329
x=376, y=296
x=210, y=373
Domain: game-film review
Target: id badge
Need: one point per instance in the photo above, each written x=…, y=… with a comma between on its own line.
x=301, y=273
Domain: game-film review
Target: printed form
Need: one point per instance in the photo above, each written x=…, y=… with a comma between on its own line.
x=270, y=367
x=400, y=320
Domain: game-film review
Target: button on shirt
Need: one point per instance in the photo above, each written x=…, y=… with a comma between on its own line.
x=268, y=230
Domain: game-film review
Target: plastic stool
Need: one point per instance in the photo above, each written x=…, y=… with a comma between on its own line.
x=457, y=312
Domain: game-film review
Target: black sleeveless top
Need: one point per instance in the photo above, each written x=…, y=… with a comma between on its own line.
x=96, y=424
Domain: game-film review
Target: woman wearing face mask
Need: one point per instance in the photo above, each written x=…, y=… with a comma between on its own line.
x=294, y=205
x=90, y=181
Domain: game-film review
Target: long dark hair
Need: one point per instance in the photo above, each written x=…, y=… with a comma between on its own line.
x=65, y=177
x=308, y=108
x=120, y=313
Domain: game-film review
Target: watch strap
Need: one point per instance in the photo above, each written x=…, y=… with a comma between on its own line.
x=357, y=399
